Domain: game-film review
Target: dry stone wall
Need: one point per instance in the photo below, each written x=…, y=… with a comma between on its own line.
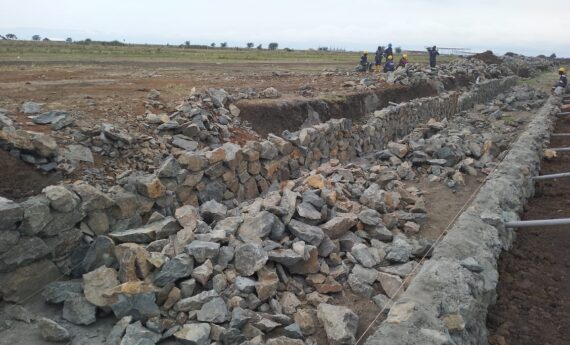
x=45, y=234
x=447, y=301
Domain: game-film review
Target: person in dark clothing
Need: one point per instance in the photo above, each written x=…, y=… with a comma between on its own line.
x=563, y=81
x=433, y=53
x=388, y=50
x=364, y=64
x=403, y=61
x=379, y=55
x=389, y=66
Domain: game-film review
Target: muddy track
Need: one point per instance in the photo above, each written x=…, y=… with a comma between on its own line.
x=533, y=305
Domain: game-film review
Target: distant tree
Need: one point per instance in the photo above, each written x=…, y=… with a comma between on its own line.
x=11, y=37
x=88, y=40
x=542, y=56
x=187, y=44
x=553, y=56
x=260, y=46
x=323, y=49
x=398, y=50
x=69, y=40
x=288, y=49
x=46, y=39
x=224, y=44
x=2, y=37
x=212, y=44
x=250, y=45
x=36, y=37
x=273, y=46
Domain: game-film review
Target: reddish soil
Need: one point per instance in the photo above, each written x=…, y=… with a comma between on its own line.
x=19, y=180
x=533, y=305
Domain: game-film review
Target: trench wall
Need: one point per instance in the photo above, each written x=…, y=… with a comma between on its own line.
x=45, y=234
x=447, y=301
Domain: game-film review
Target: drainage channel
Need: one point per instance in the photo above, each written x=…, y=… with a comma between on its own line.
x=533, y=305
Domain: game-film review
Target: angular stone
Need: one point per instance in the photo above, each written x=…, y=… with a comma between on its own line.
x=383, y=302
x=214, y=311
x=390, y=283
x=213, y=211
x=195, y=302
x=285, y=257
x=203, y=272
x=118, y=331
x=201, y=250
x=141, y=305
x=187, y=216
x=306, y=319
x=176, y=268
x=79, y=311
x=249, y=258
x=101, y=252
x=338, y=226
x=362, y=254
x=136, y=334
x=97, y=282
x=194, y=334
x=228, y=225
x=308, y=211
x=11, y=214
x=36, y=215
x=311, y=265
x=59, y=291
x=258, y=227
x=340, y=323
x=267, y=283
x=369, y=217
x=400, y=250
x=52, y=331
x=305, y=232
x=92, y=199
x=61, y=199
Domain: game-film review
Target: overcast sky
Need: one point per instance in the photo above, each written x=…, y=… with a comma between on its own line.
x=529, y=27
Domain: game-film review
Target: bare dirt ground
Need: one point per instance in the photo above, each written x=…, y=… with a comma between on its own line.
x=533, y=305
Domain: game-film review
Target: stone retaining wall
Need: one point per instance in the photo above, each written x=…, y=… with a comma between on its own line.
x=40, y=235
x=447, y=301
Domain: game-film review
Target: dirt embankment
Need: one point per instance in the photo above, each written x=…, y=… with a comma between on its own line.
x=275, y=117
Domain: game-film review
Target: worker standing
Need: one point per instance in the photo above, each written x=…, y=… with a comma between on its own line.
x=389, y=66
x=388, y=51
x=403, y=61
x=560, y=87
x=379, y=55
x=433, y=53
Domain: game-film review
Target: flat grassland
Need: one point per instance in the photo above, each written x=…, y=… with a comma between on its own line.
x=39, y=51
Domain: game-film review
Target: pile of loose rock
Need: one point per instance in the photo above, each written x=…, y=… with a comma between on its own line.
x=467, y=144
x=262, y=273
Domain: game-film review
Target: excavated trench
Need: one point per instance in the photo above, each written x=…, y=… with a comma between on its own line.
x=533, y=305
x=275, y=117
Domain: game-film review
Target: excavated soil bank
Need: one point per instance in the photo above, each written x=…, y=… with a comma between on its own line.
x=275, y=117
x=533, y=305
x=19, y=180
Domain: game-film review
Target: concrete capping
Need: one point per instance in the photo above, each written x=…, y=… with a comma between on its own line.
x=447, y=301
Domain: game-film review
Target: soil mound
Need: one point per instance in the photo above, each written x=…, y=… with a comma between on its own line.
x=488, y=57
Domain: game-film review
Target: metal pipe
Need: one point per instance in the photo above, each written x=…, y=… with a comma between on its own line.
x=563, y=113
x=560, y=135
x=551, y=176
x=393, y=103
x=542, y=222
x=560, y=149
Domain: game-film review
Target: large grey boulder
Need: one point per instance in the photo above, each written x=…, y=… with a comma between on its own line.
x=60, y=291
x=202, y=250
x=340, y=323
x=258, y=227
x=61, y=199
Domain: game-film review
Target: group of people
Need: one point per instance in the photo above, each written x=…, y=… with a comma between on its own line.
x=389, y=65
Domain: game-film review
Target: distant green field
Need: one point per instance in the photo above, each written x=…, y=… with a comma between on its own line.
x=61, y=51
